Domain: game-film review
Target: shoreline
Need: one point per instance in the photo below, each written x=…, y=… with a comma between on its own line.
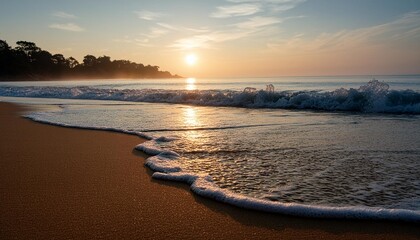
x=88, y=183
x=62, y=79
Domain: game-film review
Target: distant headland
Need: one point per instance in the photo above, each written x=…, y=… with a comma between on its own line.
x=28, y=62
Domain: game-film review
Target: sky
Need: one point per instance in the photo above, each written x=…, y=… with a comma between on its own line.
x=229, y=38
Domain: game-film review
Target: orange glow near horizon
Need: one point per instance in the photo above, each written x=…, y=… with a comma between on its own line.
x=229, y=38
x=190, y=84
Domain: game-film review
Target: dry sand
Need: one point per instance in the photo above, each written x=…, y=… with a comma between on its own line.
x=61, y=183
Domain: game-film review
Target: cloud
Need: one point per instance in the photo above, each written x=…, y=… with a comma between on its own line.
x=148, y=15
x=65, y=15
x=271, y=5
x=207, y=39
x=156, y=32
x=163, y=29
x=203, y=41
x=200, y=41
x=67, y=27
x=72, y=27
x=282, y=8
x=405, y=28
x=183, y=29
x=268, y=1
x=291, y=2
x=252, y=17
x=262, y=21
x=258, y=22
x=168, y=26
x=236, y=10
x=261, y=18
x=142, y=42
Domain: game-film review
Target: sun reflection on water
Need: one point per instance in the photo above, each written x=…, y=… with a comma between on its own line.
x=190, y=117
x=191, y=121
x=190, y=84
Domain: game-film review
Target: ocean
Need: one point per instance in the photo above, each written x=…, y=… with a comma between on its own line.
x=334, y=147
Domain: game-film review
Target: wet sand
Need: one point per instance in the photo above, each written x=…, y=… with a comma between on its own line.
x=61, y=183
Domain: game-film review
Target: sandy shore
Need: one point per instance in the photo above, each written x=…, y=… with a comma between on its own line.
x=69, y=183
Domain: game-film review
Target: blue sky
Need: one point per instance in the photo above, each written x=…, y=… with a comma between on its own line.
x=229, y=37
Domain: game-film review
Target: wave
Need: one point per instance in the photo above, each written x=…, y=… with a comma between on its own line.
x=204, y=186
x=374, y=97
x=36, y=118
x=166, y=166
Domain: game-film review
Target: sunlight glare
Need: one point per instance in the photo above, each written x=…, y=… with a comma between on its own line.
x=191, y=59
x=190, y=80
x=190, y=84
x=190, y=117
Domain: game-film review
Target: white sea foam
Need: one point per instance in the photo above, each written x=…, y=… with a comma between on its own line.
x=204, y=186
x=151, y=148
x=38, y=118
x=375, y=96
x=166, y=167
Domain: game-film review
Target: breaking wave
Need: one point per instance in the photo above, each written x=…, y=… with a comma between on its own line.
x=374, y=97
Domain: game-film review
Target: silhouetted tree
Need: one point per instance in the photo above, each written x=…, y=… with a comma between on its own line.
x=60, y=64
x=5, y=57
x=89, y=61
x=59, y=59
x=28, y=61
x=29, y=48
x=104, y=60
x=4, y=46
x=72, y=62
x=42, y=60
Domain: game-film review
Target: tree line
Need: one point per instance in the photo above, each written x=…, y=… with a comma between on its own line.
x=27, y=61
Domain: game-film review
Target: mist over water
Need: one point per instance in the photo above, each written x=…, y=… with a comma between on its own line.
x=374, y=96
x=357, y=159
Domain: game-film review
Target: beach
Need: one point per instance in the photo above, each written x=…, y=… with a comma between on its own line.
x=61, y=183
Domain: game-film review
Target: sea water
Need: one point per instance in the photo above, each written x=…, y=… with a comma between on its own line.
x=345, y=147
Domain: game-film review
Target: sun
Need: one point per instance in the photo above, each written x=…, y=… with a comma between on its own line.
x=191, y=59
